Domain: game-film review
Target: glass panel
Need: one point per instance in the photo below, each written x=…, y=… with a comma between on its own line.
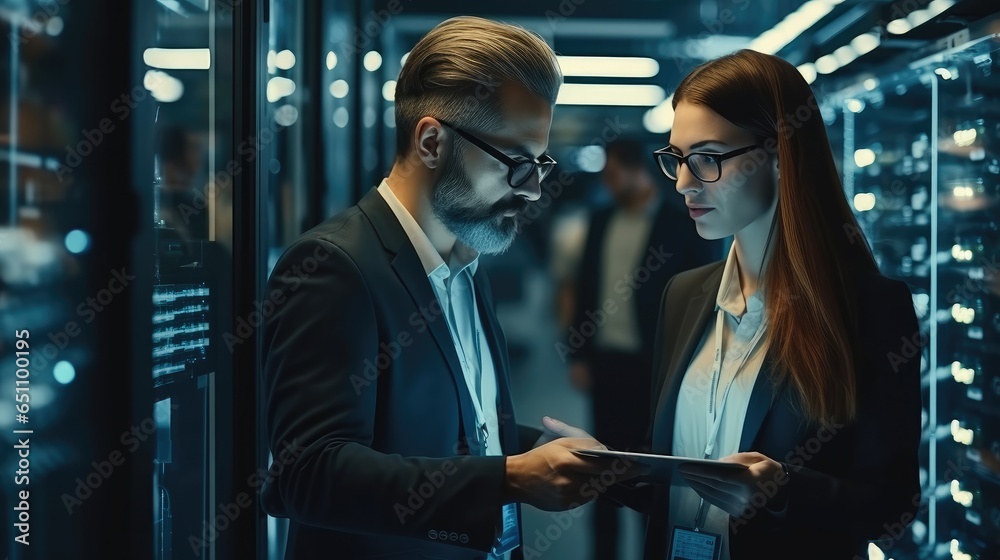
x=286, y=113
x=968, y=299
x=187, y=67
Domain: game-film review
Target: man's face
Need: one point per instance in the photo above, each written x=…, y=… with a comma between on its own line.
x=472, y=197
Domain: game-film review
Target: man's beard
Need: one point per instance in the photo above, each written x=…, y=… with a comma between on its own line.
x=484, y=229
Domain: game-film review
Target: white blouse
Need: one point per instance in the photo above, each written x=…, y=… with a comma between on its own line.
x=742, y=319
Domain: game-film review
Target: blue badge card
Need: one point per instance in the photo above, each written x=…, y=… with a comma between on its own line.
x=690, y=544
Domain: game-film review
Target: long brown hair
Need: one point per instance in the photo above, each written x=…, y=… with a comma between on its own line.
x=818, y=247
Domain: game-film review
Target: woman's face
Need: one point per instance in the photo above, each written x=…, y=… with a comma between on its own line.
x=748, y=183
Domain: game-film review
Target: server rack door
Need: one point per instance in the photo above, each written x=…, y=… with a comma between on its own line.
x=193, y=182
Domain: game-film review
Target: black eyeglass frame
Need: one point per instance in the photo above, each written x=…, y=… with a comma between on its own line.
x=541, y=165
x=719, y=158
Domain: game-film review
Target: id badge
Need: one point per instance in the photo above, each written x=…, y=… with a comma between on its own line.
x=688, y=544
x=511, y=536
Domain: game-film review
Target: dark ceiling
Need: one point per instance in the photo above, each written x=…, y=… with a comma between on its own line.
x=673, y=33
x=680, y=35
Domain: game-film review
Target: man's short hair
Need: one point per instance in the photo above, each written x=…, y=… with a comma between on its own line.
x=456, y=70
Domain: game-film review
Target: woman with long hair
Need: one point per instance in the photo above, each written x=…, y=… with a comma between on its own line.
x=784, y=361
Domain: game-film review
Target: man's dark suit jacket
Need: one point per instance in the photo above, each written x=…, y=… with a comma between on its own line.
x=673, y=233
x=846, y=485
x=362, y=380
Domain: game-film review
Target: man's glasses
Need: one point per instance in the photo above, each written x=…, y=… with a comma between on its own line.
x=519, y=168
x=706, y=167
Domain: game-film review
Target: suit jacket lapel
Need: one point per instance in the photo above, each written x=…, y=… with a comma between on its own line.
x=691, y=328
x=761, y=400
x=406, y=264
x=411, y=274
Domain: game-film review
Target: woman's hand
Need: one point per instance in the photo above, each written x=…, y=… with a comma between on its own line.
x=733, y=490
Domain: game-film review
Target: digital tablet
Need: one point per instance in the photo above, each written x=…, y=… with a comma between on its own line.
x=660, y=466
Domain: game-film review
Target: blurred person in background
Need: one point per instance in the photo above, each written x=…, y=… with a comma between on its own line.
x=633, y=247
x=182, y=177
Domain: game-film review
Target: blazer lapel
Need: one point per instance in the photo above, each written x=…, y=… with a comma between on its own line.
x=692, y=329
x=761, y=400
x=498, y=350
x=411, y=274
x=690, y=332
x=410, y=271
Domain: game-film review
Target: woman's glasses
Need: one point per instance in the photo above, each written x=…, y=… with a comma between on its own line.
x=705, y=166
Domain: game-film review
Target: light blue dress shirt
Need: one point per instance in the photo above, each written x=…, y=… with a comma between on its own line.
x=453, y=285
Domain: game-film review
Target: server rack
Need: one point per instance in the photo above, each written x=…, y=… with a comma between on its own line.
x=197, y=151
x=920, y=162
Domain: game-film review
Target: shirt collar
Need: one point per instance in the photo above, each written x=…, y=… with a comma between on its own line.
x=462, y=256
x=730, y=298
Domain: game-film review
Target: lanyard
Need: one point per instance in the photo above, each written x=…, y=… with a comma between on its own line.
x=482, y=432
x=714, y=416
x=510, y=537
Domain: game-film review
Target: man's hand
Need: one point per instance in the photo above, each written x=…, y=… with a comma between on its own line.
x=553, y=429
x=550, y=477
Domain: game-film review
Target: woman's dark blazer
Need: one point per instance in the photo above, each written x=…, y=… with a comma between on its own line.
x=847, y=484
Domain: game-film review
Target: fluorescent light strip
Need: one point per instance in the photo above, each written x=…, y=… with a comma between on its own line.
x=829, y=63
x=174, y=6
x=917, y=18
x=279, y=87
x=865, y=43
x=794, y=24
x=660, y=119
x=797, y=22
x=808, y=71
x=178, y=59
x=164, y=87
x=609, y=66
x=610, y=94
